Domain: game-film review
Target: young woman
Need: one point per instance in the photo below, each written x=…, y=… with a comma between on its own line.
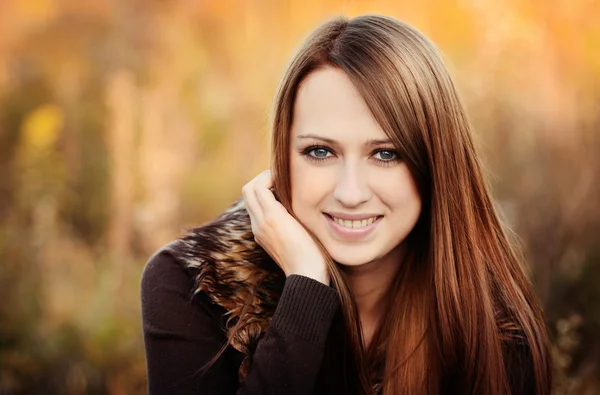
x=370, y=260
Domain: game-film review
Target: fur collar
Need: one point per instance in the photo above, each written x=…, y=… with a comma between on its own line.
x=236, y=273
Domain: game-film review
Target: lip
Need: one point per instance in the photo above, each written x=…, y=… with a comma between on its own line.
x=353, y=217
x=352, y=233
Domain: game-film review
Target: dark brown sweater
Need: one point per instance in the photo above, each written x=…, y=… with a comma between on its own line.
x=182, y=333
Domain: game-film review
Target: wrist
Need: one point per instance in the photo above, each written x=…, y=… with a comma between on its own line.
x=320, y=276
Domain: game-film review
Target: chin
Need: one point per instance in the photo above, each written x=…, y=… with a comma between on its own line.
x=347, y=257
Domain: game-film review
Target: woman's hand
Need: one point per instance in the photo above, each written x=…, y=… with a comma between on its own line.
x=280, y=234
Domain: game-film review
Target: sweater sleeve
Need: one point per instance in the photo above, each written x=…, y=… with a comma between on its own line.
x=181, y=335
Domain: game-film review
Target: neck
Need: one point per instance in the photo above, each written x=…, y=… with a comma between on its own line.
x=370, y=283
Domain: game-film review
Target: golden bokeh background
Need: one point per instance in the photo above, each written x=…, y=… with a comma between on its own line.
x=123, y=122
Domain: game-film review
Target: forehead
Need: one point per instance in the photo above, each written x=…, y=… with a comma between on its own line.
x=328, y=104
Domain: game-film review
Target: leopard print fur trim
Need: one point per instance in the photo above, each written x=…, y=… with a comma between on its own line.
x=236, y=273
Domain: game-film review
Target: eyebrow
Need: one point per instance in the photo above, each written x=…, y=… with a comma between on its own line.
x=333, y=142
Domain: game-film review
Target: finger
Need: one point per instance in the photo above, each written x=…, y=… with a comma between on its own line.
x=264, y=196
x=252, y=206
x=267, y=201
x=269, y=182
x=266, y=179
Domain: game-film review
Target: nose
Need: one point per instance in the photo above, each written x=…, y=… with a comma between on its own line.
x=352, y=188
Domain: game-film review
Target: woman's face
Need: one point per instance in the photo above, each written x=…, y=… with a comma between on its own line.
x=348, y=185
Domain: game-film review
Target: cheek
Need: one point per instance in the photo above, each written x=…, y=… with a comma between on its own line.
x=401, y=194
x=305, y=186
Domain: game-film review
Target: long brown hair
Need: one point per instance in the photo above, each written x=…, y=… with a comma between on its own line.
x=461, y=296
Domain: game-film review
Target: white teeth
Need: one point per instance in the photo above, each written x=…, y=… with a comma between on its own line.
x=354, y=224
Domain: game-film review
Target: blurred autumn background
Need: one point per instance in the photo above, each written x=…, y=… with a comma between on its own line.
x=123, y=122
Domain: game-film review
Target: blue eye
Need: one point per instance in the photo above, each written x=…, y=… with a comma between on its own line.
x=317, y=153
x=387, y=155
x=320, y=152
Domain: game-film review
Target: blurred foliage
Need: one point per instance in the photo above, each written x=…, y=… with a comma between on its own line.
x=115, y=115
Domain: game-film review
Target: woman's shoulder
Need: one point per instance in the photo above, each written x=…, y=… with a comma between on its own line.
x=216, y=265
x=165, y=267
x=184, y=261
x=183, y=329
x=168, y=285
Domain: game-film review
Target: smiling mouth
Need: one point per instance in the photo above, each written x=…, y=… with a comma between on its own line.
x=355, y=224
